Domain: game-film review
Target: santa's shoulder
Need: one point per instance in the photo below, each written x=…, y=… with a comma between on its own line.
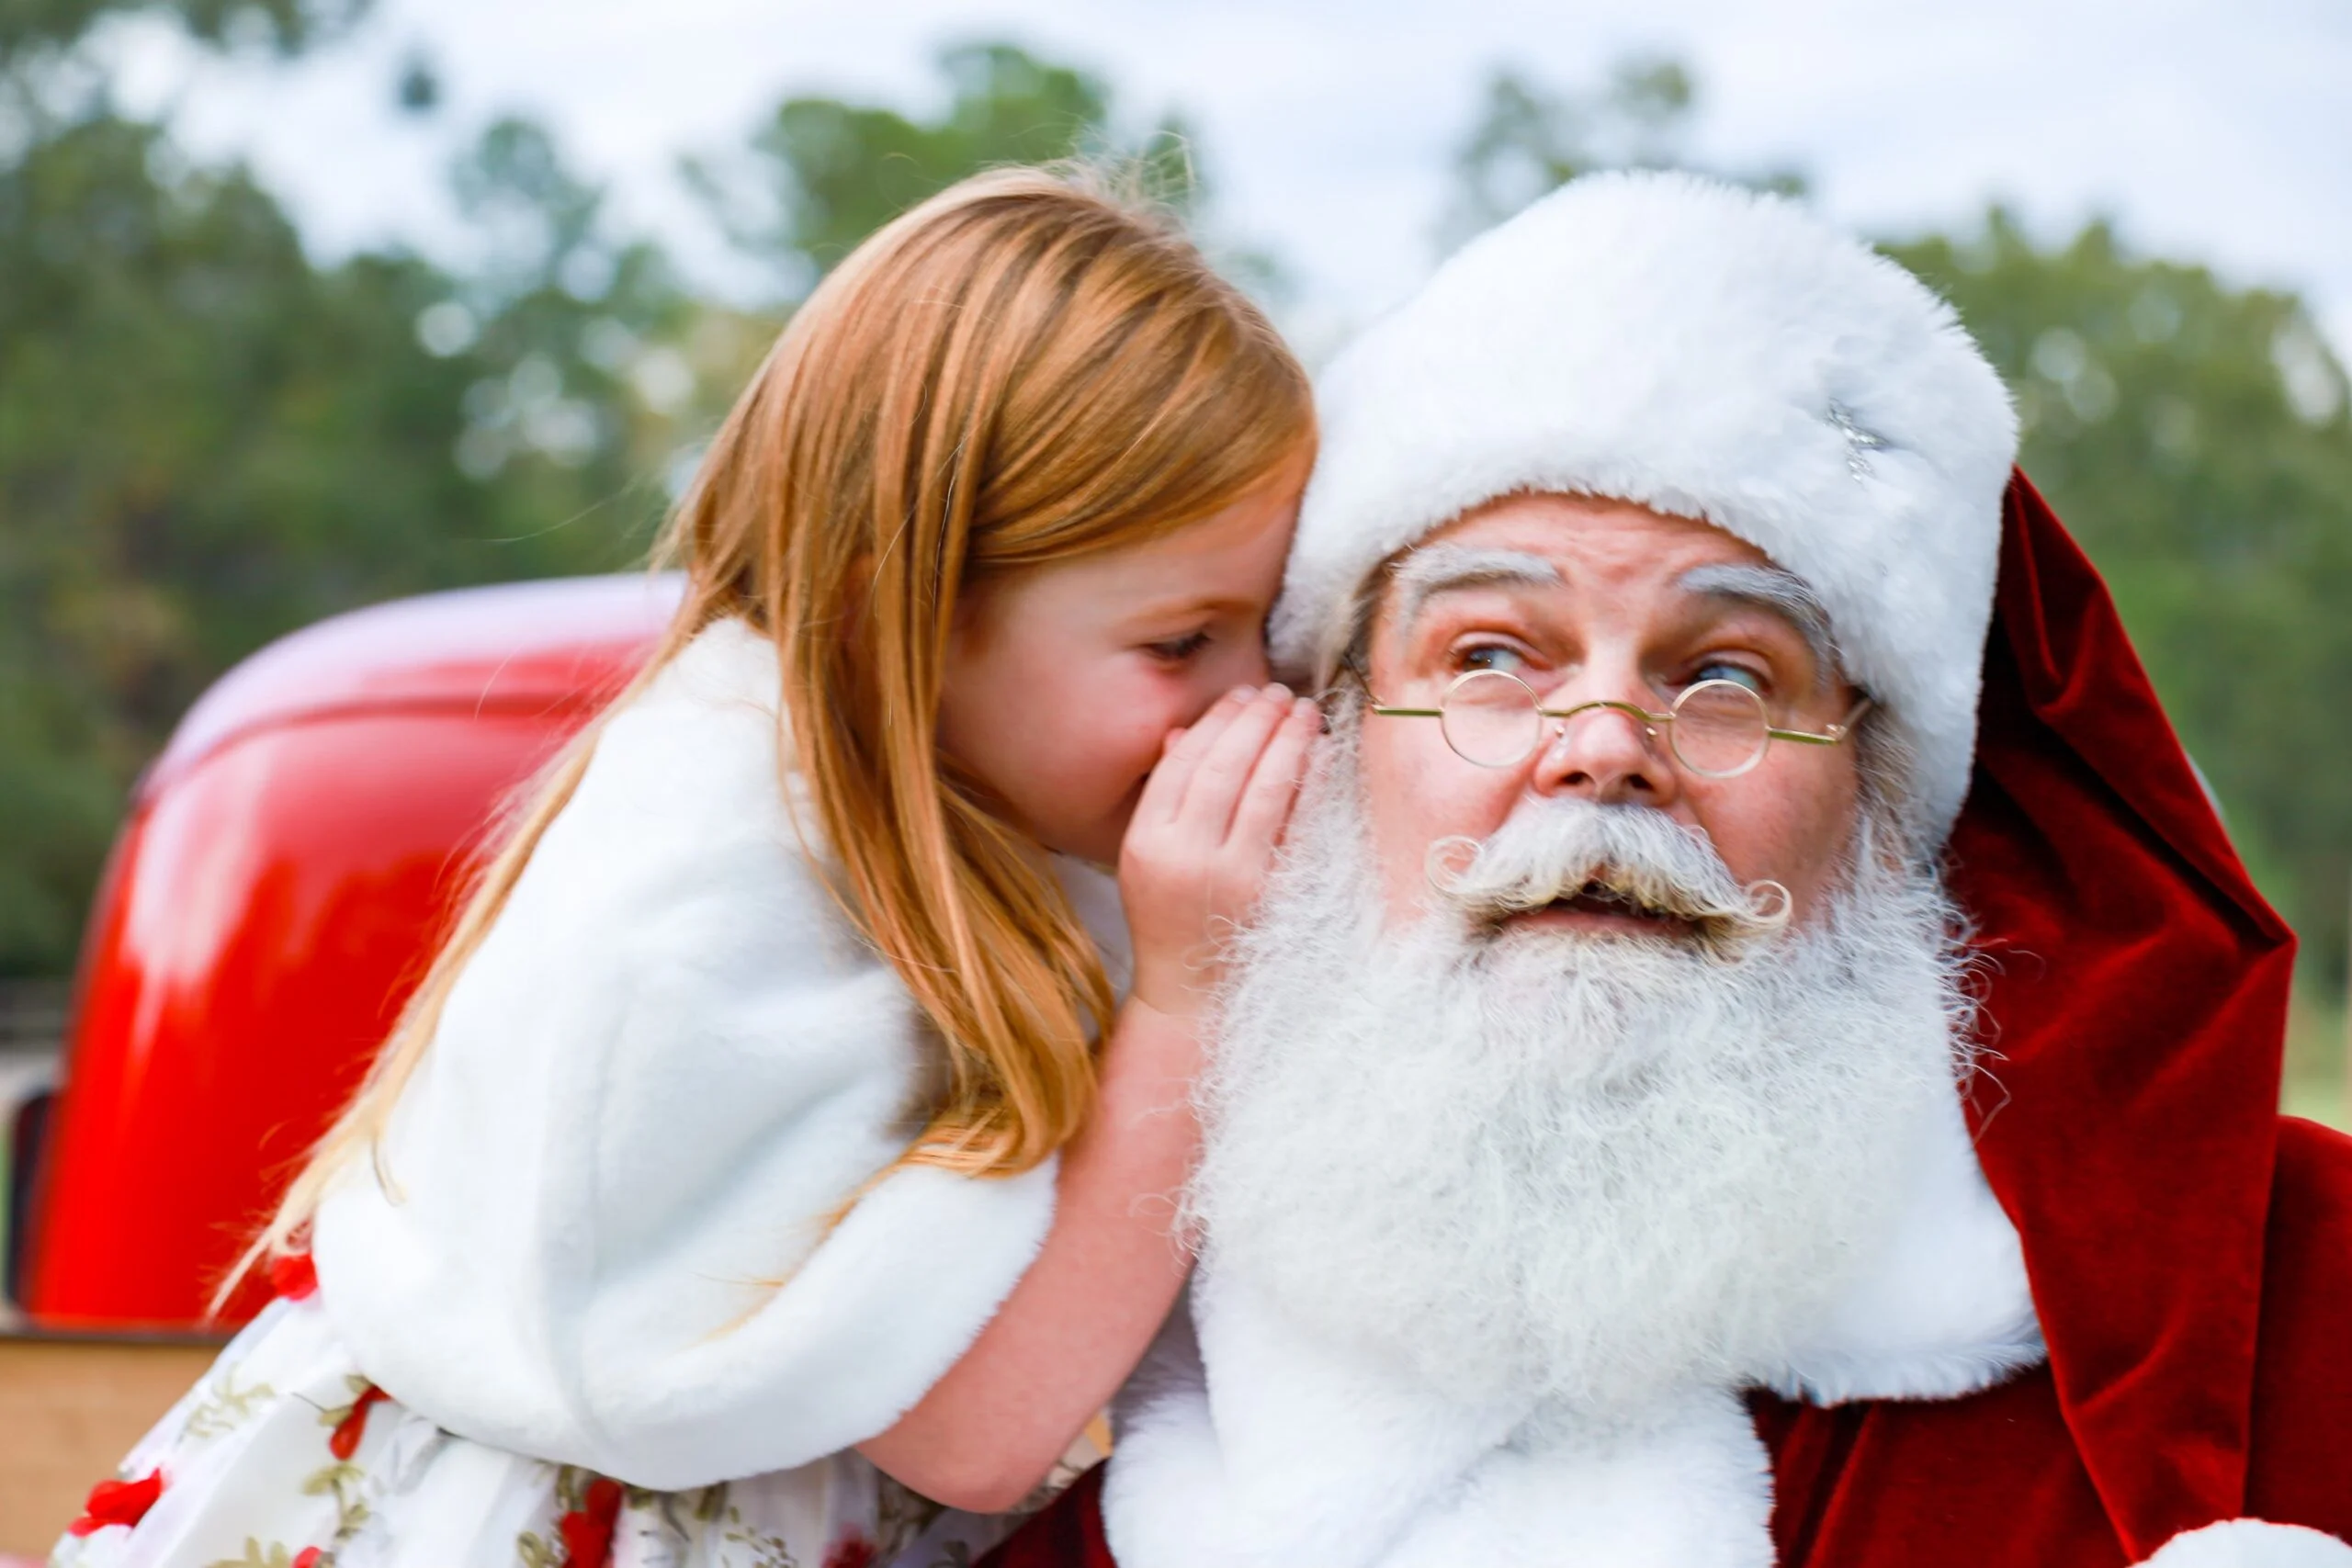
x=2300, y=1456
x=2312, y=1185
x=2307, y=1259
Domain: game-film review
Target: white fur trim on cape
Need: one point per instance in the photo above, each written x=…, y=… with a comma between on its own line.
x=1711, y=354
x=1243, y=1442
x=2252, y=1543
x=668, y=1063
x=1947, y=1310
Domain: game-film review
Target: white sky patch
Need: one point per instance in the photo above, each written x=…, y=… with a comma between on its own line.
x=2213, y=130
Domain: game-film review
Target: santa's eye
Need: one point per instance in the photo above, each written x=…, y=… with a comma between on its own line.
x=1726, y=670
x=1489, y=656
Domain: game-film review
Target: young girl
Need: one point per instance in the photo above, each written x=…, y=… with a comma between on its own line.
x=765, y=1173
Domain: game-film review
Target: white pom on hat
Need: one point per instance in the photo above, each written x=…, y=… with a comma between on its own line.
x=1709, y=352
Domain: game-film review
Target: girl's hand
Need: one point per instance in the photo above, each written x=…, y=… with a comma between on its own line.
x=1203, y=836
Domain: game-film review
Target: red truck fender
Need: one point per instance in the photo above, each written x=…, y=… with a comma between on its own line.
x=284, y=871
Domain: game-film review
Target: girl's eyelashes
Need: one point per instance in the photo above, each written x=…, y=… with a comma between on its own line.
x=1177, y=651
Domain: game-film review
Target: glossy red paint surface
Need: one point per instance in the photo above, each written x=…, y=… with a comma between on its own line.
x=286, y=868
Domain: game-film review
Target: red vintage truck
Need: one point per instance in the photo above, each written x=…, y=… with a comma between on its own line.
x=277, y=885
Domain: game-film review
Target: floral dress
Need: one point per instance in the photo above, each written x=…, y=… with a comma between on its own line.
x=286, y=1456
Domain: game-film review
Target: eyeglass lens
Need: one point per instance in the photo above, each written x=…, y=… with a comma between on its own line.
x=1494, y=719
x=1720, y=729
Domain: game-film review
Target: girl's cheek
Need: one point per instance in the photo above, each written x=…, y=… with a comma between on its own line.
x=1125, y=724
x=1164, y=699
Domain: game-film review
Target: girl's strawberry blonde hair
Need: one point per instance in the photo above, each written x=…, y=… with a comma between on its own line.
x=1027, y=367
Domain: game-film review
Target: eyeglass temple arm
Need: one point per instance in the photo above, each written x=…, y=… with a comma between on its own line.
x=1830, y=737
x=1350, y=667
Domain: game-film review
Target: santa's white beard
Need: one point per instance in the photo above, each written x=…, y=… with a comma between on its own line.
x=1585, y=1168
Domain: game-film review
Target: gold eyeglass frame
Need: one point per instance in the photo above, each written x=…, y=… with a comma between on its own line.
x=1651, y=722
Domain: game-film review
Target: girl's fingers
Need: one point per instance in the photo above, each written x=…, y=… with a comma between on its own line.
x=1164, y=785
x=1214, y=786
x=1163, y=793
x=1266, y=801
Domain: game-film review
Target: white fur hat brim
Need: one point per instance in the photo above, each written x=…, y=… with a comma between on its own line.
x=1709, y=352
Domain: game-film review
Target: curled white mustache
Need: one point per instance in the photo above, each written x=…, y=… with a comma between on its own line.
x=1631, y=855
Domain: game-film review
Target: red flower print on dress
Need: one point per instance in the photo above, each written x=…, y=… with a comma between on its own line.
x=293, y=1276
x=588, y=1530
x=310, y=1557
x=853, y=1552
x=117, y=1503
x=344, y=1441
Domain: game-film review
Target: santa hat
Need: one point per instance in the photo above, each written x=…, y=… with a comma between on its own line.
x=1710, y=353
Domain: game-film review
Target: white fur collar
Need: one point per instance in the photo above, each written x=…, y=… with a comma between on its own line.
x=1243, y=1442
x=668, y=1064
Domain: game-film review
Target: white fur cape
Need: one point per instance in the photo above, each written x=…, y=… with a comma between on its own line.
x=668, y=1063
x=1245, y=1443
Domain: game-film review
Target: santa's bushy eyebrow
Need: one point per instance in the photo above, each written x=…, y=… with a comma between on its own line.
x=1444, y=569
x=1775, y=589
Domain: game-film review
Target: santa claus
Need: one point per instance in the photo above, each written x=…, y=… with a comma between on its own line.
x=1739, y=1065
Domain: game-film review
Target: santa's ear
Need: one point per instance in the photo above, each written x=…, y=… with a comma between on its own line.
x=2252, y=1543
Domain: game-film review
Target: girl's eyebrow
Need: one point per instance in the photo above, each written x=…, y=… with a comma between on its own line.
x=1178, y=605
x=1777, y=591
x=1443, y=569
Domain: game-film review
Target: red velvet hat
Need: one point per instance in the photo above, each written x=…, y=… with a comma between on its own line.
x=2127, y=1108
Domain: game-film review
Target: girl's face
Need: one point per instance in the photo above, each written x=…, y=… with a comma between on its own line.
x=1063, y=681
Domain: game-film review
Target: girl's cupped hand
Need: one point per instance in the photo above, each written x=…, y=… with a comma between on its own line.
x=1204, y=835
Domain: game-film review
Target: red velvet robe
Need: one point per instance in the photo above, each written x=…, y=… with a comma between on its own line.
x=1997, y=1479
x=2189, y=1252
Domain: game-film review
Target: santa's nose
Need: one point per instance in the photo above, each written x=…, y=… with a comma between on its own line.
x=1609, y=755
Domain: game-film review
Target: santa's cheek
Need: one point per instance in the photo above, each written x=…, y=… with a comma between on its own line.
x=1792, y=832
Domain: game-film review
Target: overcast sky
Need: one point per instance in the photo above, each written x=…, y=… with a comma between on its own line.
x=2212, y=129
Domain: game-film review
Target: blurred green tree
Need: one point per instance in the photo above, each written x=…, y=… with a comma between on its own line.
x=2195, y=436
x=30, y=25
x=1529, y=138
x=206, y=440
x=822, y=174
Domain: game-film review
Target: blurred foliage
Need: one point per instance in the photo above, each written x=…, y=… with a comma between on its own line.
x=207, y=440
x=2314, y=1082
x=2195, y=437
x=821, y=174
x=286, y=25
x=1530, y=139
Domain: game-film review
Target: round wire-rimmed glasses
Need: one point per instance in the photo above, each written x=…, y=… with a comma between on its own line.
x=1718, y=729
